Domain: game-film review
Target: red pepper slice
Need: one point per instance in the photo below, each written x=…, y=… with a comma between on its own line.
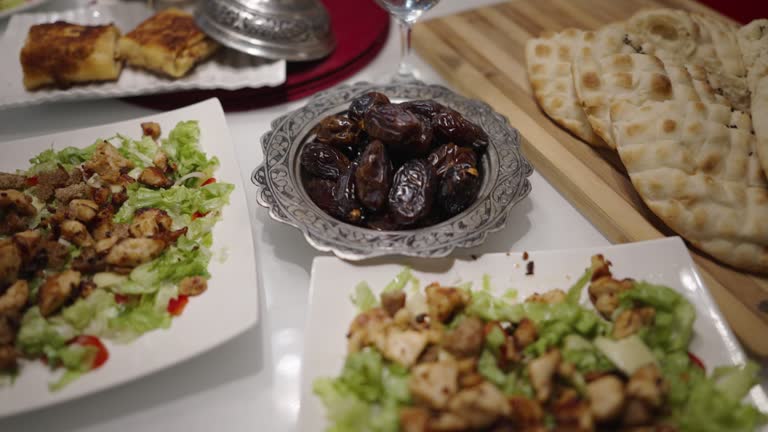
x=102, y=355
x=176, y=306
x=31, y=181
x=696, y=361
x=209, y=181
x=121, y=299
x=197, y=214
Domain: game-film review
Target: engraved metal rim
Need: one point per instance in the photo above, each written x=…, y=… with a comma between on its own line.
x=261, y=30
x=280, y=190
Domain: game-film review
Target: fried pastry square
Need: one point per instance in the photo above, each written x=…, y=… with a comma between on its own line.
x=168, y=43
x=62, y=54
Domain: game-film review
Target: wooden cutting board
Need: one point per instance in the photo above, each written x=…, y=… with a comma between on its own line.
x=481, y=53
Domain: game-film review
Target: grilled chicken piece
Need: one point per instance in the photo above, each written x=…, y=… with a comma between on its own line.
x=402, y=346
x=132, y=252
x=154, y=177
x=161, y=160
x=76, y=232
x=414, y=419
x=104, y=245
x=18, y=202
x=56, y=290
x=86, y=288
x=150, y=129
x=647, y=385
x=480, y=405
x=66, y=194
x=636, y=413
x=434, y=383
x=366, y=327
x=28, y=243
x=541, y=371
x=8, y=356
x=392, y=301
x=525, y=333
x=108, y=163
x=90, y=261
x=604, y=290
x=193, y=286
x=150, y=222
x=466, y=340
x=56, y=254
x=447, y=422
x=630, y=321
x=526, y=412
x=14, y=299
x=10, y=262
x=572, y=413
x=108, y=229
x=606, y=398
x=444, y=302
x=82, y=210
x=554, y=296
x=12, y=181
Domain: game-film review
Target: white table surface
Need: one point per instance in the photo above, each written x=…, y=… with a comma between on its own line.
x=252, y=382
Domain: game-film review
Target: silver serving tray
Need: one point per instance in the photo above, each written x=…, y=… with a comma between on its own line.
x=279, y=186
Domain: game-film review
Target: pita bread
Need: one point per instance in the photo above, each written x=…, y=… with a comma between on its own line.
x=694, y=165
x=679, y=37
x=634, y=78
x=549, y=60
x=753, y=42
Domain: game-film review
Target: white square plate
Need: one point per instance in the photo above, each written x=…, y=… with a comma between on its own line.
x=226, y=309
x=228, y=69
x=664, y=261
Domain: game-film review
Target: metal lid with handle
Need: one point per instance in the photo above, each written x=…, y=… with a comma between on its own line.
x=294, y=30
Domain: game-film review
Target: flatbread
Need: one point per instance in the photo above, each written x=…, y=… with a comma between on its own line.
x=549, y=60
x=679, y=37
x=635, y=78
x=694, y=165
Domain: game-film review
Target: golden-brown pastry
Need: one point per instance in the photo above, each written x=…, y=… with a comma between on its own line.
x=61, y=54
x=169, y=43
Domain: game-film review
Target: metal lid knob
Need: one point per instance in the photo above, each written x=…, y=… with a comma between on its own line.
x=295, y=30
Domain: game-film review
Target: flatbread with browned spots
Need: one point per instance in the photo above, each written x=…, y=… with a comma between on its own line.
x=549, y=60
x=635, y=78
x=694, y=165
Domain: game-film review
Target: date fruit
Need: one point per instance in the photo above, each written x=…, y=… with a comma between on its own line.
x=361, y=104
x=345, y=203
x=403, y=132
x=338, y=131
x=451, y=126
x=448, y=155
x=324, y=161
x=425, y=108
x=381, y=222
x=413, y=192
x=458, y=189
x=373, y=177
x=321, y=193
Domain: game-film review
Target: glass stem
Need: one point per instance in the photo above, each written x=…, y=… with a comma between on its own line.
x=405, y=47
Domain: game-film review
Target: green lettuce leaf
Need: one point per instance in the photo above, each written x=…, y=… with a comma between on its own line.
x=574, y=293
x=366, y=396
x=149, y=314
x=68, y=157
x=672, y=328
x=183, y=150
x=178, y=201
x=399, y=282
x=82, y=312
x=172, y=266
x=141, y=152
x=37, y=336
x=363, y=297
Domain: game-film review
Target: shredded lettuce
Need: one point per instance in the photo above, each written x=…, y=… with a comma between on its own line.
x=363, y=297
x=672, y=328
x=38, y=337
x=141, y=152
x=399, y=282
x=177, y=201
x=574, y=292
x=80, y=315
x=366, y=396
x=148, y=314
x=183, y=150
x=68, y=158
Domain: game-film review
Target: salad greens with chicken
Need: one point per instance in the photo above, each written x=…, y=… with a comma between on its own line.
x=457, y=359
x=103, y=242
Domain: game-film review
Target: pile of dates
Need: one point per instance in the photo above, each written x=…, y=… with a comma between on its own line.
x=390, y=166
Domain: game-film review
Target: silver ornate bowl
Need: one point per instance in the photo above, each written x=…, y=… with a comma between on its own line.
x=280, y=189
x=295, y=30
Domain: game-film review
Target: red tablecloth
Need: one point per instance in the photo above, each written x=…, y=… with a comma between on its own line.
x=360, y=27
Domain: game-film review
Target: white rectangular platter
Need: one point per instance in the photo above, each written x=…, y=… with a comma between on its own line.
x=228, y=69
x=664, y=261
x=229, y=306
